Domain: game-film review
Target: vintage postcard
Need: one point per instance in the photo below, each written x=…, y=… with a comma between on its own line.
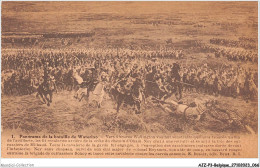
x=129, y=79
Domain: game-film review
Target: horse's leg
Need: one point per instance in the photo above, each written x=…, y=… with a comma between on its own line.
x=63, y=85
x=99, y=104
x=55, y=87
x=48, y=100
x=88, y=92
x=60, y=86
x=100, y=99
x=137, y=108
x=119, y=103
x=72, y=85
x=143, y=97
x=77, y=94
x=29, y=90
x=50, y=96
x=82, y=95
x=41, y=95
x=180, y=91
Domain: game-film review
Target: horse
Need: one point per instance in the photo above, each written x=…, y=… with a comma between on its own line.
x=87, y=88
x=152, y=89
x=95, y=91
x=98, y=93
x=163, y=90
x=13, y=84
x=69, y=80
x=175, y=81
x=25, y=85
x=45, y=89
x=190, y=112
x=58, y=75
x=132, y=98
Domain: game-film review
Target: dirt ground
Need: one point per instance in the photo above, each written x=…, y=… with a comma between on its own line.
x=68, y=115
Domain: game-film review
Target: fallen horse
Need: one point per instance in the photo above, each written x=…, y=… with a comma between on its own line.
x=194, y=111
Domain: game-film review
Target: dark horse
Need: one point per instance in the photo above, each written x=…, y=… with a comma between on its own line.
x=45, y=89
x=134, y=98
x=69, y=81
x=172, y=85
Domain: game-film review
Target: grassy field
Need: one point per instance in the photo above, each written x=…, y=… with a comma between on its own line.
x=67, y=115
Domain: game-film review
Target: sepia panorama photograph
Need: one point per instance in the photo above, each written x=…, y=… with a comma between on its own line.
x=129, y=67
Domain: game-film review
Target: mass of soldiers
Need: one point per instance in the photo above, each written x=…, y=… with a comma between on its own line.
x=242, y=43
x=232, y=54
x=22, y=70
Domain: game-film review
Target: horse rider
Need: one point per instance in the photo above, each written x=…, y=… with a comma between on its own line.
x=137, y=91
x=46, y=77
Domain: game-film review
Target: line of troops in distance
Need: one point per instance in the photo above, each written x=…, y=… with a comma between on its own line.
x=225, y=80
x=232, y=54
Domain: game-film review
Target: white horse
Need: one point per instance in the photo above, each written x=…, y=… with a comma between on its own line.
x=189, y=112
x=96, y=95
x=80, y=91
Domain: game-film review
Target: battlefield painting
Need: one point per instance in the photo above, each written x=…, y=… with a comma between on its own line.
x=129, y=67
